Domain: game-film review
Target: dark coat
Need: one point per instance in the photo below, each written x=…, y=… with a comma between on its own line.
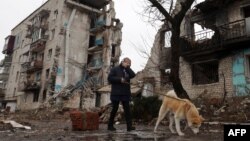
x=115, y=76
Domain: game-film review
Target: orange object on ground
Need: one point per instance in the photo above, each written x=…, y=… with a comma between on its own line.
x=82, y=121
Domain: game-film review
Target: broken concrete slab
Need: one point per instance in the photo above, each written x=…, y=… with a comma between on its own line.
x=15, y=124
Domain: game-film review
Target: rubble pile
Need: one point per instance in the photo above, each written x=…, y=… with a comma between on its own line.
x=39, y=114
x=235, y=109
x=105, y=113
x=49, y=113
x=4, y=127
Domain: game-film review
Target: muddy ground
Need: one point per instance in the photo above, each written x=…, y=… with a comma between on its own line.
x=52, y=124
x=60, y=130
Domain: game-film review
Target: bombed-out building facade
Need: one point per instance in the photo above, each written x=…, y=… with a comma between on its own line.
x=216, y=60
x=62, y=53
x=215, y=52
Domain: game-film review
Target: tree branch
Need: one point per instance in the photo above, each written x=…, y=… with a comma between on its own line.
x=163, y=11
x=184, y=8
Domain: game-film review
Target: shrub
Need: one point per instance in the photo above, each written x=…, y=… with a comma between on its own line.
x=145, y=108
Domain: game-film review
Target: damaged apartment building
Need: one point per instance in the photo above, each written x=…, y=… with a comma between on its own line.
x=216, y=59
x=63, y=50
x=215, y=52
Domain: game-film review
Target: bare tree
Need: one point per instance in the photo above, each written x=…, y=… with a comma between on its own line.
x=172, y=17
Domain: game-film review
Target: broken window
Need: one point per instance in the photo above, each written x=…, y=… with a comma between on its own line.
x=246, y=14
x=38, y=76
x=205, y=72
x=36, y=96
x=49, y=54
x=113, y=51
x=91, y=41
x=44, y=95
x=92, y=22
x=47, y=73
x=52, y=34
x=246, y=11
x=17, y=75
x=55, y=14
x=41, y=56
x=34, y=56
x=98, y=100
x=14, y=93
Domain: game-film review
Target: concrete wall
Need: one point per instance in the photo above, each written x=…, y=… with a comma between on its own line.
x=77, y=49
x=105, y=99
x=78, y=43
x=152, y=68
x=234, y=12
x=26, y=99
x=89, y=102
x=241, y=78
x=233, y=67
x=73, y=101
x=214, y=89
x=25, y=102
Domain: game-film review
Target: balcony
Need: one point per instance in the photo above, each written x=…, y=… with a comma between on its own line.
x=38, y=46
x=29, y=86
x=227, y=37
x=4, y=75
x=95, y=3
x=9, y=45
x=33, y=66
x=6, y=62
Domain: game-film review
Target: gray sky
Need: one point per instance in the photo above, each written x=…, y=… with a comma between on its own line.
x=135, y=30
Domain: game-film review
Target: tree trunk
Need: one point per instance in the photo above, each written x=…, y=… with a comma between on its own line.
x=175, y=20
x=175, y=65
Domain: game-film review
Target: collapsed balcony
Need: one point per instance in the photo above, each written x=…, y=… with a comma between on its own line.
x=30, y=86
x=225, y=37
x=32, y=66
x=38, y=46
x=39, y=24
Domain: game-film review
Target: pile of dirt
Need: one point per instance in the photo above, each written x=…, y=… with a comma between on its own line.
x=39, y=114
x=51, y=113
x=234, y=109
x=104, y=114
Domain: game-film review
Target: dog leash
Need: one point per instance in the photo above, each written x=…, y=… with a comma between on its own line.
x=177, y=98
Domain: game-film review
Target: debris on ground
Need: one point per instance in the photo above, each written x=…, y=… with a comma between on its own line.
x=14, y=124
x=234, y=109
x=105, y=113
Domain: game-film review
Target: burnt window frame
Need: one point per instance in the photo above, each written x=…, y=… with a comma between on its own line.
x=245, y=12
x=36, y=96
x=212, y=74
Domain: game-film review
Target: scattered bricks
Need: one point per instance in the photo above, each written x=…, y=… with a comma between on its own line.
x=76, y=119
x=91, y=121
x=82, y=121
